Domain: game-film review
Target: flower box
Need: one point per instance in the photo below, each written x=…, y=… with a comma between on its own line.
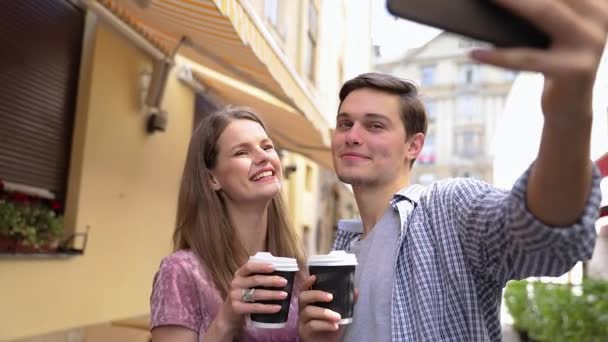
x=29, y=224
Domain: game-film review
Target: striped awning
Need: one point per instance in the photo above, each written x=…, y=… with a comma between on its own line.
x=226, y=37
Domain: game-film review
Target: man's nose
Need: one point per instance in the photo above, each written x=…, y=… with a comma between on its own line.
x=353, y=135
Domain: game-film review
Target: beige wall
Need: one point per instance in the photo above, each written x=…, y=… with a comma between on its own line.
x=447, y=53
x=124, y=186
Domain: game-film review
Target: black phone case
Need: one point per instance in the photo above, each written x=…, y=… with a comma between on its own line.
x=478, y=19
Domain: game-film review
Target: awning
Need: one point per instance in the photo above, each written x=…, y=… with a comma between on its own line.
x=286, y=126
x=225, y=38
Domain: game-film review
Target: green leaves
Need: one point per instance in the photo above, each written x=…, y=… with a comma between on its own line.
x=31, y=223
x=555, y=312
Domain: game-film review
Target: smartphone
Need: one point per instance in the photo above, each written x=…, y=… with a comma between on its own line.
x=478, y=19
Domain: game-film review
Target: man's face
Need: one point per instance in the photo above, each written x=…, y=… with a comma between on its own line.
x=369, y=145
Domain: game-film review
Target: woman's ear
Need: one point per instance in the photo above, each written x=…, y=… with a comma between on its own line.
x=214, y=183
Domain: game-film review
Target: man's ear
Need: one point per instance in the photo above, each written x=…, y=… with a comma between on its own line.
x=416, y=142
x=214, y=183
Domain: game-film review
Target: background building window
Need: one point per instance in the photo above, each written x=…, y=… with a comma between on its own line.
x=431, y=110
x=469, y=74
x=427, y=75
x=427, y=155
x=311, y=42
x=468, y=144
x=468, y=108
x=272, y=12
x=309, y=181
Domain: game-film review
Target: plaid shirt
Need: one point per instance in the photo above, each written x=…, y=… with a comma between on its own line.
x=461, y=240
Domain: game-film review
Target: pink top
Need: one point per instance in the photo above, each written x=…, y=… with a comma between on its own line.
x=183, y=294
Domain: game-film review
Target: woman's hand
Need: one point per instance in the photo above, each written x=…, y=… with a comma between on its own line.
x=251, y=275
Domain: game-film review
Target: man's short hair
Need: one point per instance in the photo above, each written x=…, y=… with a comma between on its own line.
x=413, y=115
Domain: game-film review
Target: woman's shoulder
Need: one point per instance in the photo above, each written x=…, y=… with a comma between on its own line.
x=183, y=262
x=181, y=257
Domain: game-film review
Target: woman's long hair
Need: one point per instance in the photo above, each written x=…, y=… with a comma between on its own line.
x=202, y=221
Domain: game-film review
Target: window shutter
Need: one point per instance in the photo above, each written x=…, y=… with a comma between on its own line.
x=40, y=42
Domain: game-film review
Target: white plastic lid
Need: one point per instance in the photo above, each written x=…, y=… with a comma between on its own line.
x=280, y=263
x=334, y=258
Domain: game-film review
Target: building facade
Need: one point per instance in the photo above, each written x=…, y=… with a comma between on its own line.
x=148, y=70
x=463, y=100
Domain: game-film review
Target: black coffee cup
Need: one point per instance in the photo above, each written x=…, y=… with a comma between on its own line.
x=335, y=274
x=286, y=268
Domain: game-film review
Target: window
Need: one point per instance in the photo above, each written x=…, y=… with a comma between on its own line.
x=427, y=75
x=468, y=144
x=309, y=178
x=431, y=110
x=272, y=13
x=311, y=43
x=468, y=108
x=469, y=74
x=427, y=155
x=39, y=85
x=306, y=238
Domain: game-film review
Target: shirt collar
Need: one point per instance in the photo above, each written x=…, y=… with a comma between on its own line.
x=412, y=193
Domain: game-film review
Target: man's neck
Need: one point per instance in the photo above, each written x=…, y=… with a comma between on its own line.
x=373, y=200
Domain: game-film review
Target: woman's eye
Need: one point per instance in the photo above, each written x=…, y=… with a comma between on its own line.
x=268, y=147
x=240, y=153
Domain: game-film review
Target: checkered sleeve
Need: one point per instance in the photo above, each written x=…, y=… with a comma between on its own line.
x=343, y=239
x=503, y=240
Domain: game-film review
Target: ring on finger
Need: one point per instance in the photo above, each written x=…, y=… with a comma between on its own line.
x=247, y=295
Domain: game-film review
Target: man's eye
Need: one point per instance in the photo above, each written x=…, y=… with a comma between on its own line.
x=344, y=124
x=268, y=147
x=240, y=153
x=376, y=126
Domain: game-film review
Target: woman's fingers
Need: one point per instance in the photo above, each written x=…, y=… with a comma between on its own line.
x=249, y=308
x=259, y=295
x=253, y=268
x=260, y=280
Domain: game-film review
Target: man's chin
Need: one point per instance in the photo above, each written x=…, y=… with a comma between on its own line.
x=353, y=179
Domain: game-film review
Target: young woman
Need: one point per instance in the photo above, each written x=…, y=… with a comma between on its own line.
x=229, y=208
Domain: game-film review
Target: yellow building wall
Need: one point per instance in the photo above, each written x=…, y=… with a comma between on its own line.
x=124, y=186
x=302, y=197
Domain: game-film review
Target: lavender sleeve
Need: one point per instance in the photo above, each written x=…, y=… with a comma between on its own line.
x=174, y=299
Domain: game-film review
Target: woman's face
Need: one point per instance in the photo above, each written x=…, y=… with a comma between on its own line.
x=247, y=165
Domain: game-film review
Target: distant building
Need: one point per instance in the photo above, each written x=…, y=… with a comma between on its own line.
x=463, y=101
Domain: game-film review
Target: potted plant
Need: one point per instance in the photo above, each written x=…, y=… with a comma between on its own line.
x=559, y=312
x=28, y=224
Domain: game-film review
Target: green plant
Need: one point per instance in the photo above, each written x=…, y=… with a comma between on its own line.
x=31, y=223
x=555, y=312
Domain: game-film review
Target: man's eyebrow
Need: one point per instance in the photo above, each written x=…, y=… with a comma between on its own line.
x=366, y=116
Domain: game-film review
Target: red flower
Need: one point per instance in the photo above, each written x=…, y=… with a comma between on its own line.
x=20, y=197
x=56, y=205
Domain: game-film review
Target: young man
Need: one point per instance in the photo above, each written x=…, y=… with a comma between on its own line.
x=433, y=261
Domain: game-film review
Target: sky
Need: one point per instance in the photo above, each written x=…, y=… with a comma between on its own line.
x=396, y=35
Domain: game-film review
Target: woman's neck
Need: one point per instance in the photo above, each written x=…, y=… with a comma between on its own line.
x=249, y=221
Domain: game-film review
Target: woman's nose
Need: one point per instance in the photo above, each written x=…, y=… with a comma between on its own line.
x=260, y=156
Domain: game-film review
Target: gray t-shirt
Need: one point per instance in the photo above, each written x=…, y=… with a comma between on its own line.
x=374, y=278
